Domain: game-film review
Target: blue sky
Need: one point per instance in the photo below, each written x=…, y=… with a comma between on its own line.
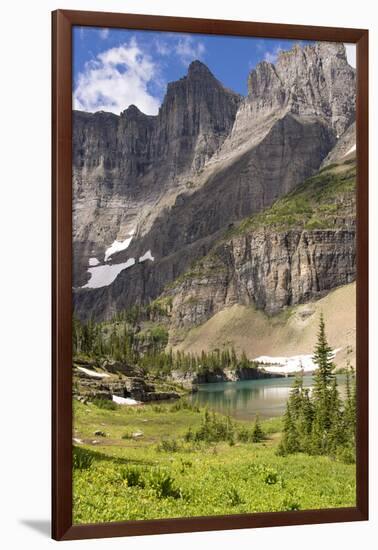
x=113, y=68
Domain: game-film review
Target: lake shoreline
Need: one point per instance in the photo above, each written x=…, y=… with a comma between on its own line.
x=244, y=399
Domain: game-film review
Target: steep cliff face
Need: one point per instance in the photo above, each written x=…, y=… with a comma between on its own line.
x=314, y=80
x=345, y=147
x=196, y=116
x=276, y=259
x=269, y=270
x=126, y=168
x=178, y=181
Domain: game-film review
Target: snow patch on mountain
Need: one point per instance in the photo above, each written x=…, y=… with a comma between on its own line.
x=104, y=275
x=146, y=256
x=118, y=246
x=289, y=365
x=93, y=373
x=93, y=262
x=124, y=400
x=353, y=148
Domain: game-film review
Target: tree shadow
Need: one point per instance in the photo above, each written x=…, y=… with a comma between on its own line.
x=99, y=456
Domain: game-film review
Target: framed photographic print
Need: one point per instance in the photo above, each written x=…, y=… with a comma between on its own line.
x=210, y=307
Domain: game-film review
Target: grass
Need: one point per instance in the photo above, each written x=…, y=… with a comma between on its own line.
x=105, y=404
x=313, y=205
x=162, y=475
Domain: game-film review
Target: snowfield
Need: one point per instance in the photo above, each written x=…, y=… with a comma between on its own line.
x=93, y=373
x=353, y=148
x=146, y=256
x=124, y=400
x=104, y=275
x=289, y=365
x=93, y=261
x=118, y=246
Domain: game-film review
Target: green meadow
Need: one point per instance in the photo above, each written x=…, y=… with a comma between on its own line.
x=176, y=460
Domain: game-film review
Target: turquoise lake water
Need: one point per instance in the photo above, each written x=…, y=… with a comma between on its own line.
x=245, y=399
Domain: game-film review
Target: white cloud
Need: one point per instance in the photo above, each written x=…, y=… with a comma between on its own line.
x=104, y=33
x=260, y=45
x=351, y=54
x=162, y=47
x=271, y=57
x=131, y=73
x=188, y=49
x=117, y=78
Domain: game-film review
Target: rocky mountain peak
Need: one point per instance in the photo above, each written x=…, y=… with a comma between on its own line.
x=315, y=80
x=197, y=69
x=199, y=79
x=132, y=112
x=196, y=116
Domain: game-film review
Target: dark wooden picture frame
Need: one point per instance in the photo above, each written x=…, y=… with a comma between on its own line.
x=62, y=23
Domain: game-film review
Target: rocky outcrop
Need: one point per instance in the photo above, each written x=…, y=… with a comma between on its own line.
x=345, y=147
x=190, y=380
x=128, y=382
x=312, y=81
x=208, y=160
x=268, y=269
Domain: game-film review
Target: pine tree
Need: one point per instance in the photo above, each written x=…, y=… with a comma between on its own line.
x=323, y=392
x=76, y=336
x=290, y=441
x=257, y=434
x=337, y=436
x=306, y=421
x=319, y=424
x=244, y=362
x=296, y=397
x=350, y=400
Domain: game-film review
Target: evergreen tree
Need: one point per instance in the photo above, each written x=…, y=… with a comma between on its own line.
x=337, y=433
x=257, y=434
x=323, y=392
x=244, y=362
x=290, y=441
x=296, y=397
x=320, y=423
x=350, y=401
x=306, y=421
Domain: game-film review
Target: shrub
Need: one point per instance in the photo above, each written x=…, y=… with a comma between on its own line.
x=234, y=497
x=271, y=477
x=257, y=432
x=106, y=404
x=168, y=446
x=185, y=464
x=244, y=435
x=183, y=404
x=346, y=454
x=81, y=458
x=290, y=505
x=213, y=428
x=159, y=335
x=163, y=484
x=133, y=475
x=314, y=223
